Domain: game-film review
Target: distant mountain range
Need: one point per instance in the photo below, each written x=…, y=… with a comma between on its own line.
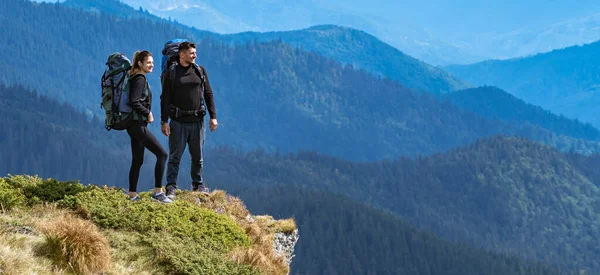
x=362, y=51
x=436, y=32
x=530, y=40
x=346, y=45
x=565, y=81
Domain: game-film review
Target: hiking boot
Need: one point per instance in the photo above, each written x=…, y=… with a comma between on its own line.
x=171, y=191
x=136, y=198
x=196, y=186
x=161, y=197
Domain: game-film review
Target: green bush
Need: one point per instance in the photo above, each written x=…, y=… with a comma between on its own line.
x=9, y=196
x=22, y=181
x=109, y=208
x=186, y=256
x=52, y=190
x=36, y=190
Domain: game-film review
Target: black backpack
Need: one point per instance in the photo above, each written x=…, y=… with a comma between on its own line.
x=115, y=92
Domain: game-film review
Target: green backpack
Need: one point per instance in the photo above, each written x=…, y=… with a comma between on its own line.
x=115, y=92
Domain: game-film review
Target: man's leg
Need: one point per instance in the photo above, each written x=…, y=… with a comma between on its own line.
x=177, y=143
x=196, y=143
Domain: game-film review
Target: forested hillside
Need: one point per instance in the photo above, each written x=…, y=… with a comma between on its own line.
x=340, y=236
x=46, y=138
x=495, y=103
x=503, y=193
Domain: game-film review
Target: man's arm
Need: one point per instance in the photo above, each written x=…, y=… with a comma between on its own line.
x=165, y=103
x=165, y=98
x=208, y=96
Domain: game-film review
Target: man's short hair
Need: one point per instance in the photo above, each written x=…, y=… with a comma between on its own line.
x=186, y=46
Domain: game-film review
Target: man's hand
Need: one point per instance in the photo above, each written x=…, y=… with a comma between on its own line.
x=150, y=118
x=166, y=129
x=213, y=124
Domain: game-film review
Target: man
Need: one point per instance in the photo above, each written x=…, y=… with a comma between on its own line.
x=185, y=90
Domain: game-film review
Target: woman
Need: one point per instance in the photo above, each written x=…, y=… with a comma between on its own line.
x=141, y=138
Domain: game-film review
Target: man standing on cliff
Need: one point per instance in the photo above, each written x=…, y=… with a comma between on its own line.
x=185, y=90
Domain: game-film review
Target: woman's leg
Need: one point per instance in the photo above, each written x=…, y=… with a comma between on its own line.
x=137, y=157
x=148, y=140
x=161, y=158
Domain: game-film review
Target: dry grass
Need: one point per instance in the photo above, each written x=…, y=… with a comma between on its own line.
x=265, y=263
x=286, y=226
x=76, y=244
x=219, y=201
x=28, y=254
x=17, y=257
x=13, y=261
x=269, y=223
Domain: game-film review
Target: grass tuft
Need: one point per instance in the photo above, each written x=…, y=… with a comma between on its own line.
x=76, y=244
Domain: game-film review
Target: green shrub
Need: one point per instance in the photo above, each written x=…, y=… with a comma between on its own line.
x=52, y=190
x=9, y=196
x=36, y=190
x=186, y=256
x=22, y=181
x=109, y=208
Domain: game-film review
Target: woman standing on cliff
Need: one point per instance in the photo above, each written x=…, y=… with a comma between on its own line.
x=140, y=97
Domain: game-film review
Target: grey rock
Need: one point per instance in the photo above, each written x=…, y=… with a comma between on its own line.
x=284, y=244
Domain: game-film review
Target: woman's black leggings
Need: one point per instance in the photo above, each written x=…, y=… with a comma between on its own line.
x=142, y=138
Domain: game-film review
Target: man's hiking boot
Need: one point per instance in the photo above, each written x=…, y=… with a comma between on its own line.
x=199, y=187
x=161, y=197
x=171, y=191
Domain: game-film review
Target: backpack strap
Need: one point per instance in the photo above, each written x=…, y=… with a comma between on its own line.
x=201, y=74
x=172, y=70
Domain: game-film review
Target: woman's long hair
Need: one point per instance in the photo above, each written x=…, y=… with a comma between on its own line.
x=138, y=56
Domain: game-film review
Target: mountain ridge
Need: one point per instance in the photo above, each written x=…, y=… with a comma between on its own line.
x=349, y=46
x=564, y=81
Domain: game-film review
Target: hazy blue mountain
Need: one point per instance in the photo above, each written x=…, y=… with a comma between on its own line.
x=530, y=40
x=362, y=51
x=439, y=33
x=451, y=32
x=563, y=81
x=346, y=45
x=257, y=15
